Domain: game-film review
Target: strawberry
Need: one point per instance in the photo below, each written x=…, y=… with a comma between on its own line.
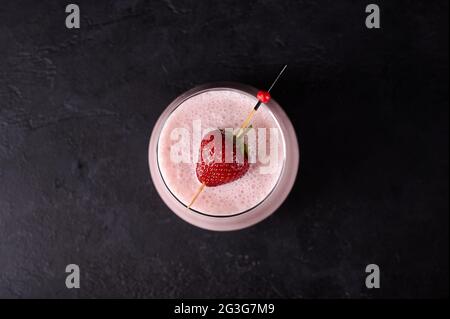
x=212, y=170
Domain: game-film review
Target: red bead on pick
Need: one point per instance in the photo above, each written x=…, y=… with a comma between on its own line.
x=263, y=96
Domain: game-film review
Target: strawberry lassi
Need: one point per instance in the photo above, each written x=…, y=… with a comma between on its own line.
x=218, y=109
x=174, y=153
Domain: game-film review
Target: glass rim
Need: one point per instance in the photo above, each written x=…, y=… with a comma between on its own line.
x=219, y=86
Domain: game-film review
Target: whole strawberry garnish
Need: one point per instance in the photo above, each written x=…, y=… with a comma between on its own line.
x=212, y=169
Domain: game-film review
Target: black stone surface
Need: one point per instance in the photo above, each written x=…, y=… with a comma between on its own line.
x=77, y=108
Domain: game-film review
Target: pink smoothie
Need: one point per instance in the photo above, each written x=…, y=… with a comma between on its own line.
x=219, y=109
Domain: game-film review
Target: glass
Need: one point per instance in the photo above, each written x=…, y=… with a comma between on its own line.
x=250, y=216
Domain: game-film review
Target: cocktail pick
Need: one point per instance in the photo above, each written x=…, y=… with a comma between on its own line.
x=263, y=98
x=199, y=190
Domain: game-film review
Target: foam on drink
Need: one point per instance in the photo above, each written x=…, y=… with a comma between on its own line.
x=218, y=109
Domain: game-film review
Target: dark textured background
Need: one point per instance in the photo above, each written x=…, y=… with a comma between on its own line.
x=77, y=108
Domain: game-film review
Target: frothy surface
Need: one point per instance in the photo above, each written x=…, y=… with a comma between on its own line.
x=218, y=109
